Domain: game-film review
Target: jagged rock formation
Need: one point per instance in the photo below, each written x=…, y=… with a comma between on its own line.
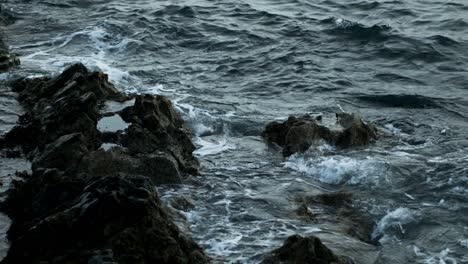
x=297, y=134
x=297, y=249
x=84, y=203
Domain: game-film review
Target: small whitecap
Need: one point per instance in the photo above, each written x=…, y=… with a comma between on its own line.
x=338, y=169
x=395, y=219
x=212, y=147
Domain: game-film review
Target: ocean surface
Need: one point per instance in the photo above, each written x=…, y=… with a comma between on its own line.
x=232, y=66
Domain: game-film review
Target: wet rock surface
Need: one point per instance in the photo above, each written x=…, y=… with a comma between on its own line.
x=298, y=249
x=339, y=207
x=86, y=204
x=297, y=134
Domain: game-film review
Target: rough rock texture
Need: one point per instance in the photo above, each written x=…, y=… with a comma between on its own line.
x=118, y=219
x=297, y=134
x=156, y=125
x=297, y=249
x=59, y=106
x=85, y=204
x=156, y=143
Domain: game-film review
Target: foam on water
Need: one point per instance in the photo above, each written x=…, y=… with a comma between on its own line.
x=99, y=55
x=338, y=169
x=395, y=219
x=463, y=243
x=441, y=257
x=212, y=147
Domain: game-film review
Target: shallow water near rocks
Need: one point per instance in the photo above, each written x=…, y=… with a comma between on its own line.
x=231, y=67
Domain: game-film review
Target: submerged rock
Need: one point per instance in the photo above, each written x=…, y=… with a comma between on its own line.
x=339, y=207
x=297, y=134
x=87, y=204
x=7, y=60
x=298, y=249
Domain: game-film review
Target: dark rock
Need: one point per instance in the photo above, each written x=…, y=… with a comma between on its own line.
x=75, y=79
x=36, y=195
x=7, y=60
x=158, y=166
x=157, y=142
x=84, y=204
x=65, y=153
x=304, y=212
x=68, y=103
x=156, y=125
x=182, y=203
x=339, y=207
x=335, y=199
x=298, y=134
x=12, y=153
x=355, y=131
x=113, y=218
x=297, y=249
x=7, y=17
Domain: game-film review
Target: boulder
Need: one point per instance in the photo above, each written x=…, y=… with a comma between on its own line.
x=339, y=207
x=117, y=219
x=87, y=204
x=297, y=134
x=68, y=103
x=298, y=249
x=156, y=125
x=64, y=154
x=160, y=167
x=157, y=144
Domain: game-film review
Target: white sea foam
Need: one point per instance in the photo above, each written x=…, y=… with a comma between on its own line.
x=100, y=55
x=338, y=169
x=4, y=76
x=200, y=129
x=395, y=219
x=434, y=258
x=392, y=129
x=212, y=147
x=463, y=242
x=343, y=23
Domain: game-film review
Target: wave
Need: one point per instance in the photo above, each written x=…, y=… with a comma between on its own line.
x=357, y=31
x=444, y=41
x=172, y=10
x=400, y=100
x=393, y=77
x=394, y=220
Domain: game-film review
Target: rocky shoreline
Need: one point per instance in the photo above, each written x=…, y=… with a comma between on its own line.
x=96, y=156
x=83, y=203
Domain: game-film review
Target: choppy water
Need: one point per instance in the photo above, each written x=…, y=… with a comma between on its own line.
x=231, y=66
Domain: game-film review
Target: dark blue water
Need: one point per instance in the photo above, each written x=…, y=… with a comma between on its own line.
x=231, y=66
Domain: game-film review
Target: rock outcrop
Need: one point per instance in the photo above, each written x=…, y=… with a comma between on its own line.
x=338, y=207
x=297, y=134
x=297, y=249
x=84, y=203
